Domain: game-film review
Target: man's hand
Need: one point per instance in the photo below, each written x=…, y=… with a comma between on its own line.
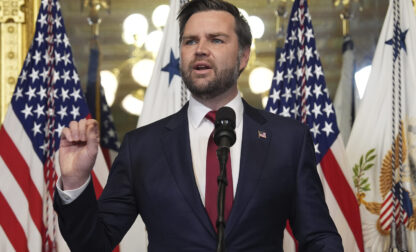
x=77, y=152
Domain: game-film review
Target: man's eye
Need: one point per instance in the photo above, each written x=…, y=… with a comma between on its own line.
x=190, y=42
x=217, y=41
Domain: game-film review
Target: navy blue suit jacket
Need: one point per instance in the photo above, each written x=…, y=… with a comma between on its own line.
x=153, y=176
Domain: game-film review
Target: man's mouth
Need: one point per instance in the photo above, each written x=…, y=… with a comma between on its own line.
x=201, y=67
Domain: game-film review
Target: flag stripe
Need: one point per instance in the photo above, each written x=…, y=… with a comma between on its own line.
x=20, y=170
x=387, y=214
x=344, y=230
x=5, y=244
x=386, y=207
x=290, y=232
x=22, y=142
x=12, y=227
x=339, y=152
x=289, y=243
x=100, y=169
x=18, y=203
x=343, y=194
x=385, y=224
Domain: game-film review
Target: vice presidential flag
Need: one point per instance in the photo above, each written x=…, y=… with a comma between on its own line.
x=382, y=145
x=47, y=97
x=299, y=91
x=166, y=93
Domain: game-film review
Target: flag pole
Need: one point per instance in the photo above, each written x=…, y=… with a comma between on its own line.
x=95, y=100
x=94, y=20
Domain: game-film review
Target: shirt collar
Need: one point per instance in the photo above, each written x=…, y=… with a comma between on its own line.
x=197, y=111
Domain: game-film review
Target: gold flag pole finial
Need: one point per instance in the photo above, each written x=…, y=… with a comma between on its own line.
x=349, y=10
x=345, y=17
x=345, y=14
x=94, y=7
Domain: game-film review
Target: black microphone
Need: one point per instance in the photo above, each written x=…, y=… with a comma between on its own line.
x=224, y=138
x=224, y=134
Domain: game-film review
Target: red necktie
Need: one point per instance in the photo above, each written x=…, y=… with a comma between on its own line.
x=212, y=173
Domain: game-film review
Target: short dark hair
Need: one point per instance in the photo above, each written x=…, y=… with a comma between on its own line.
x=242, y=29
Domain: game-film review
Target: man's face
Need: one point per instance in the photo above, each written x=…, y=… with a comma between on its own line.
x=210, y=60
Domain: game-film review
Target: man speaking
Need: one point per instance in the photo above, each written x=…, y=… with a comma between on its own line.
x=167, y=171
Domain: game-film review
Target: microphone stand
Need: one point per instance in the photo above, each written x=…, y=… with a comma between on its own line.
x=224, y=137
x=222, y=154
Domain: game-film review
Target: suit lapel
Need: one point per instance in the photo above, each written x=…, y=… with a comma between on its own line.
x=177, y=149
x=254, y=147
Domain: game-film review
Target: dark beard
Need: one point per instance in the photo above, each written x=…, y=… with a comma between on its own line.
x=223, y=81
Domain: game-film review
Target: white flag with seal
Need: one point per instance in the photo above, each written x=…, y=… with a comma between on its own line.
x=382, y=144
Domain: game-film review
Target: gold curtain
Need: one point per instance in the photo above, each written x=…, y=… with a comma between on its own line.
x=17, y=26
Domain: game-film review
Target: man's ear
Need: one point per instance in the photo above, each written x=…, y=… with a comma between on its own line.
x=244, y=58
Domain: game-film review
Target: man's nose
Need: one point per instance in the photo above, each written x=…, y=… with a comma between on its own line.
x=202, y=48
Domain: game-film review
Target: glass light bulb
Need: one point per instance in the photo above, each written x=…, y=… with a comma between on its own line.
x=142, y=71
x=153, y=41
x=256, y=26
x=260, y=80
x=160, y=15
x=132, y=105
x=135, y=28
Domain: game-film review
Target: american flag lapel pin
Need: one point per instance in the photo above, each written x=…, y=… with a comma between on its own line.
x=261, y=134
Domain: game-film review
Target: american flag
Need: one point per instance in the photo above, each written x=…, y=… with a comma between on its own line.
x=47, y=97
x=299, y=91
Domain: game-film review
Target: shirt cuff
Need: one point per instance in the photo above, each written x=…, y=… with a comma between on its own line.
x=68, y=196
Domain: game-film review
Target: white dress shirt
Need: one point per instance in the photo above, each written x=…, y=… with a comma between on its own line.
x=200, y=128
